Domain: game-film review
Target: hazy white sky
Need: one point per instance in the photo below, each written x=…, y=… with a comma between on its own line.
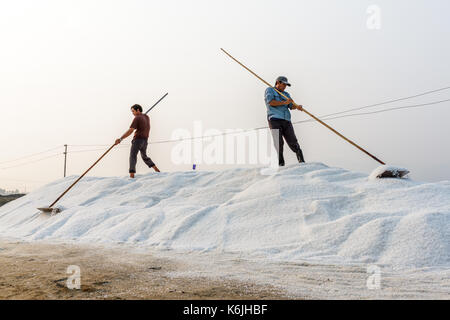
x=70, y=70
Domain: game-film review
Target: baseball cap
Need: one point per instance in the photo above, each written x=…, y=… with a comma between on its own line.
x=284, y=80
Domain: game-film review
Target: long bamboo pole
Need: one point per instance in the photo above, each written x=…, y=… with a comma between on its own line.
x=307, y=112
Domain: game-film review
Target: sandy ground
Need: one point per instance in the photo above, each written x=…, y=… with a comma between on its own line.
x=38, y=271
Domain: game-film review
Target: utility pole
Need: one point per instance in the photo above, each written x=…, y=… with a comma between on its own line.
x=65, y=159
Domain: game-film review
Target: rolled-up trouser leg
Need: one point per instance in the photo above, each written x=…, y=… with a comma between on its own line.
x=133, y=155
x=144, y=156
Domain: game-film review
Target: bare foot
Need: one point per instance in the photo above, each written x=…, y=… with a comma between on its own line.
x=156, y=168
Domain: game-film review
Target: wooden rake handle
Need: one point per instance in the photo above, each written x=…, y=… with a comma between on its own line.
x=304, y=110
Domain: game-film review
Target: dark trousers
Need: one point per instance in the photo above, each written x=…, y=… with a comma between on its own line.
x=286, y=131
x=136, y=146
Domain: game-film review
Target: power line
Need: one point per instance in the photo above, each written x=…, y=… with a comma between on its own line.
x=389, y=101
x=89, y=145
x=38, y=160
x=327, y=117
x=31, y=155
x=82, y=151
x=394, y=108
x=96, y=145
x=98, y=149
x=20, y=180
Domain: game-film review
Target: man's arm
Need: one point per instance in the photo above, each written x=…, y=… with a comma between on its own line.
x=270, y=99
x=125, y=135
x=275, y=103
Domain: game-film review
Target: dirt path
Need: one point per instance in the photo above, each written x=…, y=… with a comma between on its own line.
x=39, y=271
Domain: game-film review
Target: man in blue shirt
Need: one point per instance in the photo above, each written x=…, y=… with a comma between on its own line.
x=279, y=118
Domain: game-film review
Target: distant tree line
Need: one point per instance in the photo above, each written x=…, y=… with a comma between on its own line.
x=7, y=196
x=4, y=192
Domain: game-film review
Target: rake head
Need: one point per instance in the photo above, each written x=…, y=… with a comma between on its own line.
x=50, y=211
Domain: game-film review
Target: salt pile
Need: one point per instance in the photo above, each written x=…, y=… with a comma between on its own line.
x=304, y=212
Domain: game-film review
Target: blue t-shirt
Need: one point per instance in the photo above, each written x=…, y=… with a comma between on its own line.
x=281, y=112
